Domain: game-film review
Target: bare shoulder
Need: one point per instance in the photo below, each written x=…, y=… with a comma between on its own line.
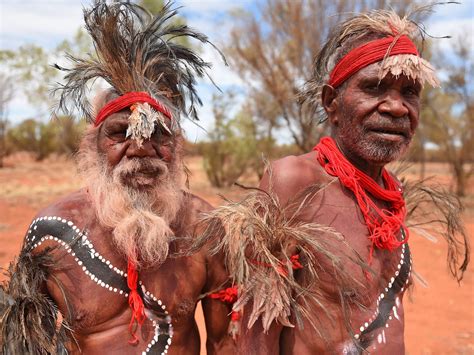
x=76, y=207
x=292, y=174
x=198, y=204
x=70, y=211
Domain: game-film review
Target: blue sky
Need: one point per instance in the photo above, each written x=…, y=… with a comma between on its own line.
x=48, y=22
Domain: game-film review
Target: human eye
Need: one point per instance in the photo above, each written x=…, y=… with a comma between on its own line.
x=371, y=86
x=117, y=132
x=411, y=91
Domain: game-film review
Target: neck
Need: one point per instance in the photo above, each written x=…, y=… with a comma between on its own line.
x=372, y=170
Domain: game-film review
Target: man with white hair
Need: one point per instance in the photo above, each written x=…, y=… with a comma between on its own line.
x=103, y=269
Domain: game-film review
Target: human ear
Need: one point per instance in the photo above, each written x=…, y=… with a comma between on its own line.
x=329, y=102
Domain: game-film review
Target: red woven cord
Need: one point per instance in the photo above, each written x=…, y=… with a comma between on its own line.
x=367, y=54
x=128, y=100
x=281, y=268
x=134, y=301
x=227, y=295
x=383, y=225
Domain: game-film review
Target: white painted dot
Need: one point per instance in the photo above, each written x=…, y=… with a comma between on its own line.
x=382, y=295
x=379, y=338
x=356, y=336
x=361, y=328
x=69, y=223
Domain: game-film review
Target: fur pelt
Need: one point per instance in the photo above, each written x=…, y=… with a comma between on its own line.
x=435, y=212
x=258, y=238
x=30, y=323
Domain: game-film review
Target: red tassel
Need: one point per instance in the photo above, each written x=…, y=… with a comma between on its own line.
x=134, y=301
x=228, y=295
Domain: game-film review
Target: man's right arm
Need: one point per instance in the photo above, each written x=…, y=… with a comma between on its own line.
x=30, y=320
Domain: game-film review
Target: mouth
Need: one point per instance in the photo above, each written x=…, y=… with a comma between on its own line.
x=390, y=133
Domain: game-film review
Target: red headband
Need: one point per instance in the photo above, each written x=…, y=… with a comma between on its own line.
x=367, y=54
x=128, y=100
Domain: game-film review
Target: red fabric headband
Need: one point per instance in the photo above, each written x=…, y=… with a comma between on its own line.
x=128, y=100
x=367, y=54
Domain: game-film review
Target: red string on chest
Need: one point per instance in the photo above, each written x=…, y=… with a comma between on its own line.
x=134, y=301
x=383, y=224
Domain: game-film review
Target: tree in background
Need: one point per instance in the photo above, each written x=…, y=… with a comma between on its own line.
x=6, y=95
x=449, y=113
x=273, y=49
x=231, y=147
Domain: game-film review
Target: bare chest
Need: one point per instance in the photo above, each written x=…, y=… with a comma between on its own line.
x=90, y=283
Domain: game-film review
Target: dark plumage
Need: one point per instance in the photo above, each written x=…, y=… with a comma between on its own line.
x=29, y=320
x=432, y=211
x=135, y=51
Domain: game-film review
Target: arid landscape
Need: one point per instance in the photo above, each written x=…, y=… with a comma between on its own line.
x=439, y=317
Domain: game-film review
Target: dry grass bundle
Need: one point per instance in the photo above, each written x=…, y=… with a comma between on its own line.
x=433, y=211
x=258, y=238
x=30, y=323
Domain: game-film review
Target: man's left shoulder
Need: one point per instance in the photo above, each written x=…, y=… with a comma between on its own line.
x=197, y=204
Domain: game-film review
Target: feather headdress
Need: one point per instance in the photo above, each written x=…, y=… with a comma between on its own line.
x=361, y=29
x=136, y=52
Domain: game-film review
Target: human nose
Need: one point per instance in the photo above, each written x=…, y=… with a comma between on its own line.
x=394, y=104
x=135, y=150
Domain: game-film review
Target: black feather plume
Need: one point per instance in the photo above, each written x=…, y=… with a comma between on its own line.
x=135, y=51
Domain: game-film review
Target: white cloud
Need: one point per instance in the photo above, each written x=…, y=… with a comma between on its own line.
x=45, y=23
x=458, y=29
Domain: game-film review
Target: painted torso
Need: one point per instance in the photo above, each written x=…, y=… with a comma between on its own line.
x=93, y=276
x=335, y=206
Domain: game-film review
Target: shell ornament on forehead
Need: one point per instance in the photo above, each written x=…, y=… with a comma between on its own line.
x=140, y=55
x=384, y=37
x=146, y=115
x=142, y=122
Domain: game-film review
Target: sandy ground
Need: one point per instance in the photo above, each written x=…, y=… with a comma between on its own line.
x=439, y=317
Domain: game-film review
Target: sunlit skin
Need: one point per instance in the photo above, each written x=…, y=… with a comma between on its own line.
x=363, y=115
x=101, y=318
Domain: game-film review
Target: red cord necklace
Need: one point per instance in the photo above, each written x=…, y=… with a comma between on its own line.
x=383, y=225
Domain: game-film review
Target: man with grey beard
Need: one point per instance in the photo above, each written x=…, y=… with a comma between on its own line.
x=103, y=270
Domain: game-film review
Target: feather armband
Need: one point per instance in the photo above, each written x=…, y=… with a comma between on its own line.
x=264, y=244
